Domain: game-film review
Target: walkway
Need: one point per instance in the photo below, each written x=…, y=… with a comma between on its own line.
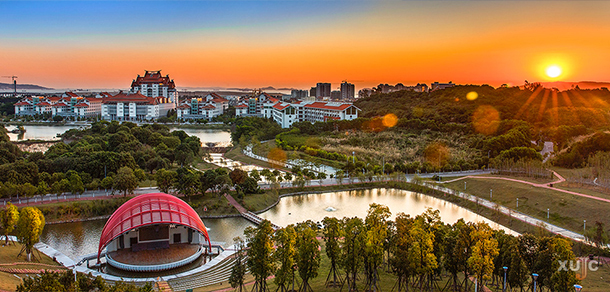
x=514, y=214
x=549, y=185
x=247, y=214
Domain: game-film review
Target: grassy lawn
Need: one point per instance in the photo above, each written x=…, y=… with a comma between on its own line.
x=237, y=155
x=264, y=148
x=566, y=210
x=8, y=254
x=597, y=281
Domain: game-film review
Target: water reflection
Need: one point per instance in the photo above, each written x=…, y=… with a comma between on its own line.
x=82, y=238
x=291, y=210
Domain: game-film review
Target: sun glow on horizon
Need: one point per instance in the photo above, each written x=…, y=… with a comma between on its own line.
x=553, y=71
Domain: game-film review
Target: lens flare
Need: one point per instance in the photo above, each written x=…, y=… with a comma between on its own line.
x=472, y=95
x=277, y=157
x=486, y=119
x=390, y=120
x=437, y=154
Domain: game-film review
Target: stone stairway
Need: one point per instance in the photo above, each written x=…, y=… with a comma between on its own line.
x=220, y=273
x=163, y=287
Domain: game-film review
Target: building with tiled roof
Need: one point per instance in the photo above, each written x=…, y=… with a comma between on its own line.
x=153, y=84
x=286, y=114
x=241, y=109
x=67, y=105
x=212, y=105
x=135, y=107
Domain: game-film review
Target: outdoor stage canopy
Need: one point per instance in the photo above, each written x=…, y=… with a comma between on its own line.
x=150, y=209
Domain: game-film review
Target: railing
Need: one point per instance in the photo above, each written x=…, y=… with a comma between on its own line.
x=153, y=268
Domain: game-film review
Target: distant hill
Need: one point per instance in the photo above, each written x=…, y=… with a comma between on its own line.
x=566, y=85
x=9, y=86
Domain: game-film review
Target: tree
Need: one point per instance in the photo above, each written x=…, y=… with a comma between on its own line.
x=188, y=182
x=76, y=183
x=255, y=175
x=285, y=254
x=421, y=253
x=562, y=279
x=8, y=219
x=484, y=251
x=339, y=175
x=238, y=176
x=376, y=232
x=125, y=180
x=165, y=179
x=107, y=182
x=332, y=233
x=260, y=250
x=308, y=259
x=401, y=263
x=352, y=249
x=29, y=227
x=238, y=272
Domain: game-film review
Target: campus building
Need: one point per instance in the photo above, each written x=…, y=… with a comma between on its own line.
x=210, y=106
x=68, y=104
x=285, y=114
x=135, y=107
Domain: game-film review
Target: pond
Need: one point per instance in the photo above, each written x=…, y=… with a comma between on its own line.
x=82, y=238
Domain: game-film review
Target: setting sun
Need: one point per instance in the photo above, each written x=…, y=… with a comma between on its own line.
x=553, y=71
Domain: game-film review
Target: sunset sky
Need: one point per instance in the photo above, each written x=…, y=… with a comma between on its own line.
x=71, y=44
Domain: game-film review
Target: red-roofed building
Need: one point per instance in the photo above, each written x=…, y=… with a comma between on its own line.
x=89, y=107
x=153, y=84
x=208, y=107
x=286, y=114
x=241, y=109
x=134, y=107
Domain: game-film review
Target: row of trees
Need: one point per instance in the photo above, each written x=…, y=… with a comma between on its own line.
x=28, y=225
x=418, y=250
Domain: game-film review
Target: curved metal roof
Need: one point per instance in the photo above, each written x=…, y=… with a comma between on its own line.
x=148, y=209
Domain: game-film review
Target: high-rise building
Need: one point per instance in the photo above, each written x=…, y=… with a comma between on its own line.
x=312, y=92
x=299, y=94
x=348, y=90
x=323, y=90
x=335, y=95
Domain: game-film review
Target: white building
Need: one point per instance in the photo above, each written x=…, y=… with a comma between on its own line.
x=68, y=105
x=286, y=114
x=153, y=84
x=210, y=106
x=134, y=107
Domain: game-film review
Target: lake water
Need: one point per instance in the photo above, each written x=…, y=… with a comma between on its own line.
x=41, y=132
x=47, y=133
x=82, y=238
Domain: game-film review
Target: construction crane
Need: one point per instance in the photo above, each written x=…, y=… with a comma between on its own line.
x=14, y=82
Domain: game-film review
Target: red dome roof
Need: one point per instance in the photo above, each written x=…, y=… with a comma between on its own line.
x=150, y=209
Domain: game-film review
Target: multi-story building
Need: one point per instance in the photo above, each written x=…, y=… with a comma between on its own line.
x=241, y=109
x=335, y=95
x=322, y=91
x=68, y=104
x=438, y=86
x=208, y=107
x=153, y=84
x=89, y=107
x=151, y=97
x=312, y=92
x=286, y=114
x=299, y=94
x=348, y=91
x=135, y=107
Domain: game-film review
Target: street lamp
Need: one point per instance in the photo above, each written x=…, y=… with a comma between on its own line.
x=504, y=287
x=585, y=225
x=547, y=213
x=354, y=157
x=464, y=185
x=491, y=194
x=535, y=277
x=517, y=203
x=577, y=288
